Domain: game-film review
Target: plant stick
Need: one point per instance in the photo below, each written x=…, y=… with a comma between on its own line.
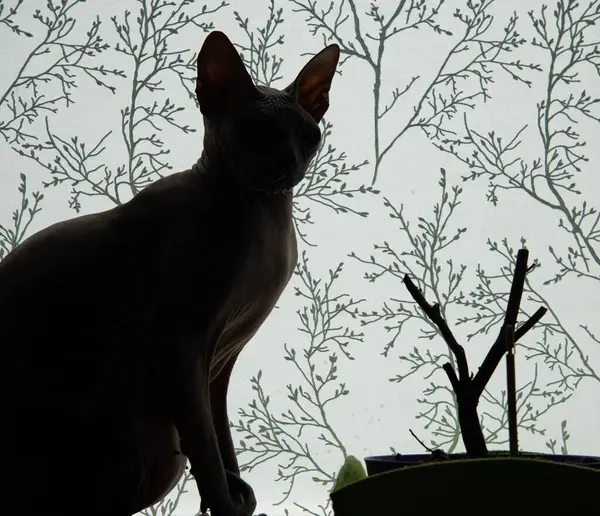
x=511, y=391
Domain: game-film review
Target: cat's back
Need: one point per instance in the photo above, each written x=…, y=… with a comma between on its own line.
x=80, y=282
x=91, y=246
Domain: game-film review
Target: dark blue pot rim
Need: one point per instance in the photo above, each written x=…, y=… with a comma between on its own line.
x=427, y=458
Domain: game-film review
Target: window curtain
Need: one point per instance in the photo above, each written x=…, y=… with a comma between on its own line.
x=458, y=133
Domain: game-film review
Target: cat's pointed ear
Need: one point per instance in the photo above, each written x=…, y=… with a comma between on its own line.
x=311, y=87
x=222, y=77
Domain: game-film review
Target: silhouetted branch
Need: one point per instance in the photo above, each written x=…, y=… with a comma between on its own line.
x=469, y=389
x=433, y=312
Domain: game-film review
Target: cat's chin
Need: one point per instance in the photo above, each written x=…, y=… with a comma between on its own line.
x=271, y=189
x=282, y=185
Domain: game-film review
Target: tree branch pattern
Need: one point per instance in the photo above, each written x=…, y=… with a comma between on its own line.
x=143, y=58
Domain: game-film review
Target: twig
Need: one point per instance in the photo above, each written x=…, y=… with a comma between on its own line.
x=495, y=354
x=468, y=389
x=511, y=391
x=433, y=312
x=430, y=450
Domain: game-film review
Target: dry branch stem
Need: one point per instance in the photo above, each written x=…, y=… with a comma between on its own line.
x=468, y=388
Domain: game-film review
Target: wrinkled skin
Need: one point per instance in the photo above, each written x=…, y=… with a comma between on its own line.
x=119, y=330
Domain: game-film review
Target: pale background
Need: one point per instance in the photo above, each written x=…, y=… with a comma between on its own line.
x=468, y=81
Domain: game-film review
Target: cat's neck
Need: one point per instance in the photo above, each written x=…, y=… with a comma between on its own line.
x=222, y=181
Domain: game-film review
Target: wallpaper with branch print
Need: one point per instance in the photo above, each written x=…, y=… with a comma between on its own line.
x=459, y=132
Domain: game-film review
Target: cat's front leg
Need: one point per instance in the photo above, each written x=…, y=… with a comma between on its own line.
x=181, y=369
x=240, y=490
x=219, y=387
x=184, y=373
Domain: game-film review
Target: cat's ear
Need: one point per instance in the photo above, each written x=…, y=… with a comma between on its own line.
x=222, y=77
x=311, y=87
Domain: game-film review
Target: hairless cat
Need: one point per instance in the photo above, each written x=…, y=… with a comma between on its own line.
x=119, y=330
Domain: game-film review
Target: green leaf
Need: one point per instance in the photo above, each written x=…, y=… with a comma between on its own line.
x=351, y=471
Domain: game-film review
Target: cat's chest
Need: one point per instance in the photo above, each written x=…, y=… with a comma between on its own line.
x=260, y=271
x=265, y=259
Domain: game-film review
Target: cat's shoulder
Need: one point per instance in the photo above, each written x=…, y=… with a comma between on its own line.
x=178, y=190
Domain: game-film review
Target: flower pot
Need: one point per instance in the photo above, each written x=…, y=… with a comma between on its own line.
x=473, y=487
x=382, y=463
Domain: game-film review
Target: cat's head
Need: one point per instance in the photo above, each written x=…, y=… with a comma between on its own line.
x=261, y=137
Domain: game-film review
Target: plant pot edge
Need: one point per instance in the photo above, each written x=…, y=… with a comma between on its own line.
x=376, y=464
x=437, y=482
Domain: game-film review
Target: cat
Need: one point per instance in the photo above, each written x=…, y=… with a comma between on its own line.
x=119, y=330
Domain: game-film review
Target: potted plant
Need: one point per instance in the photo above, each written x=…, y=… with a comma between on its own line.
x=478, y=481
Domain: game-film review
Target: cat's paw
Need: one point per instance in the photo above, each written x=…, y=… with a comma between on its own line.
x=240, y=502
x=242, y=493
